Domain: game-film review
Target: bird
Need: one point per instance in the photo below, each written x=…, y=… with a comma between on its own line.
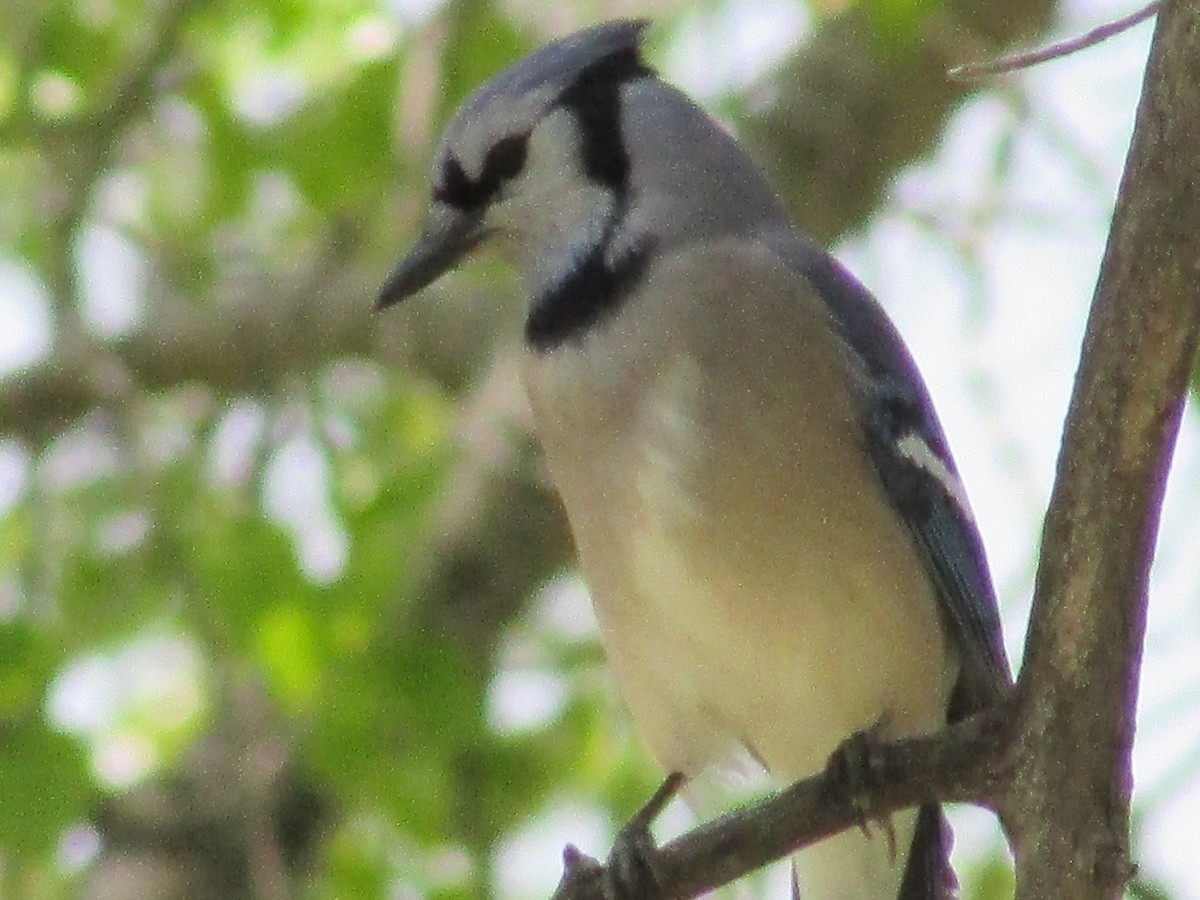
x=777, y=544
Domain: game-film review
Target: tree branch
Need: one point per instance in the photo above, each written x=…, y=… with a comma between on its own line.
x=81, y=151
x=1069, y=808
x=1059, y=49
x=963, y=763
x=249, y=347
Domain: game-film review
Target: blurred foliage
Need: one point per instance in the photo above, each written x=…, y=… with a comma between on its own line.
x=199, y=524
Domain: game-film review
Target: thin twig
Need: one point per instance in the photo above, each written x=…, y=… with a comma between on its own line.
x=1005, y=64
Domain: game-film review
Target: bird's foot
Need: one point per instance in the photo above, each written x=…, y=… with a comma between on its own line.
x=630, y=872
x=856, y=767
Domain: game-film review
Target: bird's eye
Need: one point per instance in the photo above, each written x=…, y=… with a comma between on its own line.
x=455, y=188
x=506, y=158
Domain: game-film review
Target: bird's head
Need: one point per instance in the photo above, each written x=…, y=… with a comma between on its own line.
x=592, y=167
x=536, y=154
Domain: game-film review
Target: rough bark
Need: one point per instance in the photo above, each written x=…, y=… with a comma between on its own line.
x=1068, y=807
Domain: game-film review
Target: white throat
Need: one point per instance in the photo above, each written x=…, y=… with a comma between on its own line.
x=553, y=213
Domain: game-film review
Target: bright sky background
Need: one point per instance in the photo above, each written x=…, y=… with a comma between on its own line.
x=996, y=330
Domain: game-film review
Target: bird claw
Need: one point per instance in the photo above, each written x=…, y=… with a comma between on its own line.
x=856, y=767
x=631, y=872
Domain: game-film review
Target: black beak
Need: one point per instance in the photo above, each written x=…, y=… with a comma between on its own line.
x=448, y=235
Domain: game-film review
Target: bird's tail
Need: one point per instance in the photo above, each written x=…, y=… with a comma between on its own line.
x=928, y=875
x=908, y=858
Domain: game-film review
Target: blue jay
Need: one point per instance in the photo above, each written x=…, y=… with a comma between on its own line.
x=776, y=541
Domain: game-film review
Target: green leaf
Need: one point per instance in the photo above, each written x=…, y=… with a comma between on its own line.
x=288, y=651
x=898, y=24
x=28, y=660
x=991, y=880
x=44, y=787
x=335, y=150
x=480, y=40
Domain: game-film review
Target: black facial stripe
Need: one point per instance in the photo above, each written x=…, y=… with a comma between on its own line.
x=594, y=290
x=596, y=287
x=594, y=98
x=504, y=160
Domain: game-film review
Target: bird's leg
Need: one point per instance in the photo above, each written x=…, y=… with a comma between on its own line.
x=855, y=767
x=630, y=870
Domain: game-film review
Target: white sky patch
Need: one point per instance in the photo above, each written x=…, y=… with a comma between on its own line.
x=124, y=757
x=726, y=46
x=80, y=456
x=521, y=700
x=78, y=847
x=372, y=37
x=269, y=94
x=25, y=325
x=296, y=495
x=55, y=94
x=112, y=273
x=413, y=13
x=122, y=702
x=123, y=196
x=14, y=474
x=236, y=443
x=564, y=607
x=521, y=868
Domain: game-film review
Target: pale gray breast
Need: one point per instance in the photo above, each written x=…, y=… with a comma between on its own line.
x=714, y=409
x=706, y=447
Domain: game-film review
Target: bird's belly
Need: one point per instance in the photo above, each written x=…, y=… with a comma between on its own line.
x=734, y=629
x=755, y=591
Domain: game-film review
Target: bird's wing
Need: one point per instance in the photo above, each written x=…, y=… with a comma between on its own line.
x=913, y=461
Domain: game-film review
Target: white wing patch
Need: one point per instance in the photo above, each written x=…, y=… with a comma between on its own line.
x=912, y=447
